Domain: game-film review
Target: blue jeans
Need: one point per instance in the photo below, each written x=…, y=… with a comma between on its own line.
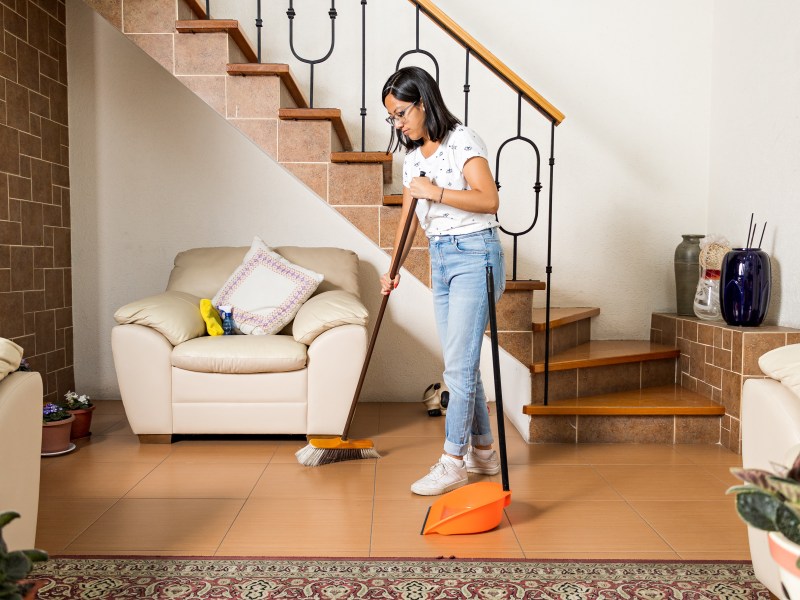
x=461, y=307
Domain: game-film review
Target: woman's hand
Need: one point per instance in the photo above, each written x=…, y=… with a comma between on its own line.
x=421, y=187
x=387, y=285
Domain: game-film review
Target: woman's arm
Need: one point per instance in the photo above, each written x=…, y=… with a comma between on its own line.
x=481, y=198
x=386, y=285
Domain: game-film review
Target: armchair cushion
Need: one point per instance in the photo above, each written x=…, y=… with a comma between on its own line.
x=175, y=315
x=240, y=354
x=10, y=357
x=783, y=364
x=326, y=311
x=266, y=290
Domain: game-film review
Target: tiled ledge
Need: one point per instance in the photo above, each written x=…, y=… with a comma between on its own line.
x=716, y=359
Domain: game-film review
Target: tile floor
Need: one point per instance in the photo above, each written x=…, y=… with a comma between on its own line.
x=249, y=497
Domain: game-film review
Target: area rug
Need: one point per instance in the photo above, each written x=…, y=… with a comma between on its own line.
x=174, y=578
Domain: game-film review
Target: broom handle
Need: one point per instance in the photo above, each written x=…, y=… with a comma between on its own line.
x=393, y=269
x=498, y=389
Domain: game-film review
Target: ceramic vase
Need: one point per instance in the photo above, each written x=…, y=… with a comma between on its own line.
x=785, y=553
x=55, y=435
x=82, y=424
x=687, y=269
x=745, y=287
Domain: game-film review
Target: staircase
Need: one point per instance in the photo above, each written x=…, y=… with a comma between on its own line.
x=599, y=391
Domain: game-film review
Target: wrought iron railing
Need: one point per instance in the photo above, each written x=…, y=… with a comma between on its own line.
x=474, y=49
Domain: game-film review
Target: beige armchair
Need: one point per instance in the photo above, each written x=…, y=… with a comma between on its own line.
x=20, y=449
x=174, y=379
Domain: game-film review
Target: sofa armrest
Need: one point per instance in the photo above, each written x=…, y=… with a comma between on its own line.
x=144, y=373
x=326, y=311
x=175, y=315
x=20, y=438
x=335, y=359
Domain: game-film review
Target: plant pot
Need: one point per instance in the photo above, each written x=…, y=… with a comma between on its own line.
x=82, y=424
x=55, y=435
x=785, y=553
x=32, y=592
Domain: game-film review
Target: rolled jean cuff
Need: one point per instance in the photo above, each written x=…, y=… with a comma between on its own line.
x=455, y=449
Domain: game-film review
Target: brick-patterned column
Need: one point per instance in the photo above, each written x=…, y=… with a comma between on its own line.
x=35, y=274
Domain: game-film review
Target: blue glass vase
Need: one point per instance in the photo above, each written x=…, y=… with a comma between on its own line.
x=745, y=287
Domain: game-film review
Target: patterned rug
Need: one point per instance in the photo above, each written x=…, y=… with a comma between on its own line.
x=118, y=578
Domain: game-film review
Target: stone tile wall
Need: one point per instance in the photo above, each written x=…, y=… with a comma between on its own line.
x=716, y=359
x=35, y=257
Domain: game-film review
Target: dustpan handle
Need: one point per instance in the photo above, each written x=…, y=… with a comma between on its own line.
x=498, y=389
x=393, y=269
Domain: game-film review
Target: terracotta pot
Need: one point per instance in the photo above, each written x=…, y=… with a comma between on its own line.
x=55, y=435
x=785, y=553
x=82, y=423
x=31, y=594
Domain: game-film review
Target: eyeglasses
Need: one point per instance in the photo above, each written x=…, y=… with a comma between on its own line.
x=400, y=117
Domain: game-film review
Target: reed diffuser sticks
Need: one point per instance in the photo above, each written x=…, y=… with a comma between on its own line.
x=751, y=233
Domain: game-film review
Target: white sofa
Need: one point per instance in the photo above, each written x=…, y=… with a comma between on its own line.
x=20, y=447
x=300, y=381
x=771, y=434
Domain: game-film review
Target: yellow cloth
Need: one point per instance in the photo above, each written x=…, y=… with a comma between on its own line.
x=211, y=317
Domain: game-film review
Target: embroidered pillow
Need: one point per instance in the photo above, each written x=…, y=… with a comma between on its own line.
x=266, y=290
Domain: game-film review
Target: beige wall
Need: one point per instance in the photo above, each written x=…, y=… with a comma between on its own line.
x=156, y=171
x=35, y=280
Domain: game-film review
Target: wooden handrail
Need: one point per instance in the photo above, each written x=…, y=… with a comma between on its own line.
x=455, y=31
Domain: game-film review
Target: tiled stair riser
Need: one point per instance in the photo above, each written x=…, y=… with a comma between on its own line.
x=562, y=338
x=716, y=359
x=626, y=429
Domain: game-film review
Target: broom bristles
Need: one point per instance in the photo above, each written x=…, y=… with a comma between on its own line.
x=311, y=456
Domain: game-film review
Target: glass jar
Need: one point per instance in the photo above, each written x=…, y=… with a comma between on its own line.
x=706, y=298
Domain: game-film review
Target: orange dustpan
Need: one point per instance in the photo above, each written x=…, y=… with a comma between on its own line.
x=477, y=507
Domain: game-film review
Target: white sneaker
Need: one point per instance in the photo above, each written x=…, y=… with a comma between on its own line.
x=484, y=466
x=443, y=477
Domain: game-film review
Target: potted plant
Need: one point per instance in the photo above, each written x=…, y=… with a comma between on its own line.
x=81, y=408
x=15, y=567
x=771, y=502
x=56, y=426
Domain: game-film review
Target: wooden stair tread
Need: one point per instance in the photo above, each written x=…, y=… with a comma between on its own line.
x=272, y=70
x=393, y=200
x=379, y=157
x=229, y=26
x=524, y=285
x=660, y=400
x=334, y=115
x=562, y=316
x=598, y=353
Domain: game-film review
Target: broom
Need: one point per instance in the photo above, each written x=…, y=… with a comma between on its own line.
x=323, y=451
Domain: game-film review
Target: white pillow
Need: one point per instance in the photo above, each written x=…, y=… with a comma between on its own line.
x=10, y=357
x=783, y=364
x=266, y=291
x=175, y=315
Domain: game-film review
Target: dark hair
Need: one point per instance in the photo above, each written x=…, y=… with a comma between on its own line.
x=412, y=84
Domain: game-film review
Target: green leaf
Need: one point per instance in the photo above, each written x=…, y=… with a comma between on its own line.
x=36, y=555
x=758, y=477
x=742, y=489
x=794, y=471
x=758, y=509
x=7, y=517
x=788, y=523
x=788, y=488
x=18, y=565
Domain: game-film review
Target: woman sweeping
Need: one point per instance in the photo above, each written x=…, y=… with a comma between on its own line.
x=457, y=201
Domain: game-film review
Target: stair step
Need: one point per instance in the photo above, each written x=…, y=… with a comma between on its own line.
x=525, y=285
x=597, y=353
x=562, y=316
x=661, y=400
x=334, y=115
x=393, y=200
x=382, y=158
x=272, y=70
x=229, y=26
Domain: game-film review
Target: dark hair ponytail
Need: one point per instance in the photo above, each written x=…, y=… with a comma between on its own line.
x=411, y=84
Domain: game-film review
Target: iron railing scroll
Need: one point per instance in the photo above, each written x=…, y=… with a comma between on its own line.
x=291, y=13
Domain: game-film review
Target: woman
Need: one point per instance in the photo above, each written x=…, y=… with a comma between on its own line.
x=457, y=201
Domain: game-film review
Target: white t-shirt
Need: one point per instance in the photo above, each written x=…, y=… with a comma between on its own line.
x=445, y=168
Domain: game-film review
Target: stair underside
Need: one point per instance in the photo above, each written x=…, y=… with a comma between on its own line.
x=661, y=400
x=562, y=316
x=274, y=70
x=598, y=353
